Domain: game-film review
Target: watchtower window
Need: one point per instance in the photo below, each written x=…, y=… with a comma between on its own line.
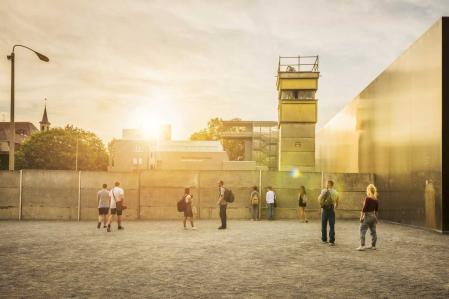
x=297, y=94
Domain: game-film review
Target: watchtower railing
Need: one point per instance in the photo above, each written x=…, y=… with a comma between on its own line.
x=298, y=64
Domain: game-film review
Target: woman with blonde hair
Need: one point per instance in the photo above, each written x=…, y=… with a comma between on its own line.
x=368, y=218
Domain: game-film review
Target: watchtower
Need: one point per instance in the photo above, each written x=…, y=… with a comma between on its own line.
x=297, y=83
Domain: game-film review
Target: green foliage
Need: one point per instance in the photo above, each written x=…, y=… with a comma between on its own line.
x=56, y=149
x=234, y=148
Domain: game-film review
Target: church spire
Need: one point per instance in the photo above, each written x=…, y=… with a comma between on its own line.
x=45, y=124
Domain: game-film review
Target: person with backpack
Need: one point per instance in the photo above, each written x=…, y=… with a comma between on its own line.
x=223, y=204
x=368, y=218
x=188, y=212
x=302, y=202
x=270, y=198
x=328, y=199
x=254, y=201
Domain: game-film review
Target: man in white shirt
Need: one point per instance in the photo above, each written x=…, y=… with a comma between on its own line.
x=117, y=197
x=270, y=197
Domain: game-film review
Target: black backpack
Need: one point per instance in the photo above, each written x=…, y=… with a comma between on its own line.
x=228, y=195
x=326, y=200
x=181, y=204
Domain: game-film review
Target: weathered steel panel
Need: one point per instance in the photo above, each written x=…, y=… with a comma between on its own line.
x=393, y=128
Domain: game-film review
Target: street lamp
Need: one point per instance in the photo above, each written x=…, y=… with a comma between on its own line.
x=12, y=127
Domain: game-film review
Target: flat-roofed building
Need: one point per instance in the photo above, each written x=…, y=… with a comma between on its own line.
x=259, y=140
x=131, y=154
x=185, y=154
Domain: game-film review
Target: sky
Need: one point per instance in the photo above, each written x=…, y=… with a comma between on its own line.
x=137, y=64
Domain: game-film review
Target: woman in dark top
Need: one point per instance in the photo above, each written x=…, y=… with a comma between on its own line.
x=188, y=212
x=368, y=218
x=302, y=202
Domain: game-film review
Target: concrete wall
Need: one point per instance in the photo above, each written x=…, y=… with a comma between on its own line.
x=63, y=195
x=9, y=195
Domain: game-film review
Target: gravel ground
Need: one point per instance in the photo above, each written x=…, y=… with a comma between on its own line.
x=279, y=259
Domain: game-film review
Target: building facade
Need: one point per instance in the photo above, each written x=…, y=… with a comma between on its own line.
x=259, y=140
x=134, y=152
x=23, y=131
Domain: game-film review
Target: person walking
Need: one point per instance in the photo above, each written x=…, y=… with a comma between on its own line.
x=188, y=211
x=104, y=200
x=328, y=199
x=116, y=206
x=254, y=201
x=368, y=218
x=270, y=198
x=302, y=202
x=222, y=203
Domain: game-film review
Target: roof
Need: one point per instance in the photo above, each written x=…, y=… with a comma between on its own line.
x=44, y=117
x=189, y=146
x=254, y=123
x=23, y=130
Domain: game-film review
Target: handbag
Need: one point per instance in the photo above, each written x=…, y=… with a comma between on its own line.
x=119, y=204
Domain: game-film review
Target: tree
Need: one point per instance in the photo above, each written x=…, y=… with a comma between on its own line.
x=234, y=148
x=56, y=149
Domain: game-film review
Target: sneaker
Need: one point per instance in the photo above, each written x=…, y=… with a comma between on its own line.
x=99, y=225
x=371, y=247
x=331, y=244
x=360, y=248
x=194, y=227
x=121, y=227
x=324, y=242
x=222, y=227
x=185, y=228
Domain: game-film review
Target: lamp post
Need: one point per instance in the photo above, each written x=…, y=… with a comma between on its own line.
x=12, y=126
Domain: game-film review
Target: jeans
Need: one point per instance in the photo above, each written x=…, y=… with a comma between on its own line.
x=270, y=211
x=328, y=215
x=369, y=222
x=223, y=215
x=255, y=212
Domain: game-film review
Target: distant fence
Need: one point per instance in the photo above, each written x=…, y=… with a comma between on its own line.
x=70, y=195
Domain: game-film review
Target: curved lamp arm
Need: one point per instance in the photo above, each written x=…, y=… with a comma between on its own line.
x=41, y=56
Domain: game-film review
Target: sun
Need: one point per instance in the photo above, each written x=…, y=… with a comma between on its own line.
x=151, y=128
x=150, y=124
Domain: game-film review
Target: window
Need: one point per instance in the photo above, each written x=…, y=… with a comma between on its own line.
x=138, y=149
x=297, y=94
